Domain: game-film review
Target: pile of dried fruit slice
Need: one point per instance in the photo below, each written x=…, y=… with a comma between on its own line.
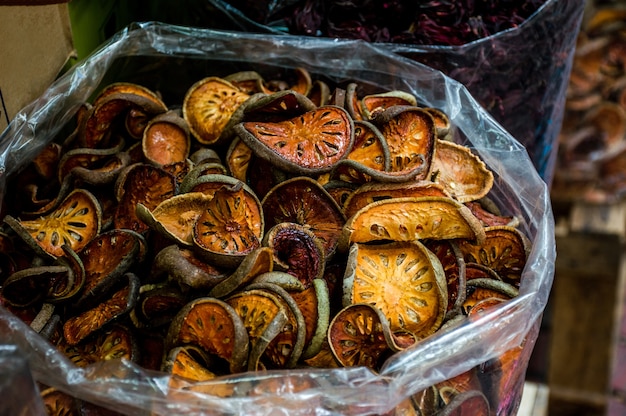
x=259, y=227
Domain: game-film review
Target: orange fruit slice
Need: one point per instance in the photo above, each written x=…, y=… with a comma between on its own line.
x=215, y=327
x=402, y=279
x=208, y=106
x=310, y=143
x=166, y=139
x=463, y=174
x=373, y=104
x=504, y=249
x=358, y=336
x=229, y=227
x=176, y=216
x=375, y=191
x=368, y=158
x=409, y=219
x=411, y=136
x=304, y=201
x=75, y=222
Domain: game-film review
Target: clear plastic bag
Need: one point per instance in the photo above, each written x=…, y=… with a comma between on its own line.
x=169, y=59
x=519, y=75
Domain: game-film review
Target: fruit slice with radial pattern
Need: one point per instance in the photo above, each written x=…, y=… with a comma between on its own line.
x=75, y=222
x=411, y=136
x=264, y=318
x=310, y=143
x=505, y=250
x=304, y=201
x=372, y=192
x=463, y=174
x=229, y=227
x=411, y=218
x=359, y=336
x=449, y=254
x=175, y=217
x=285, y=350
x=208, y=106
x=106, y=258
x=113, y=307
x=404, y=280
x=140, y=184
x=114, y=342
x=368, y=158
x=112, y=107
x=214, y=326
x=189, y=362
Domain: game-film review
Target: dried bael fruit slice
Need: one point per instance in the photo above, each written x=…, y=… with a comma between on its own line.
x=141, y=183
x=409, y=219
x=175, y=217
x=505, y=250
x=463, y=174
x=373, y=104
x=339, y=190
x=107, y=257
x=229, y=227
x=214, y=326
x=442, y=122
x=403, y=279
x=411, y=136
x=471, y=402
x=285, y=349
x=58, y=403
x=451, y=258
x=189, y=362
x=105, y=163
x=277, y=106
x=183, y=267
x=109, y=109
x=157, y=304
x=75, y=222
x=258, y=261
x=368, y=157
x=166, y=139
x=359, y=336
x=297, y=251
x=120, y=303
x=208, y=106
x=314, y=302
x=264, y=317
x=487, y=290
x=29, y=286
x=489, y=218
x=304, y=201
x=310, y=143
x=372, y=192
x=113, y=342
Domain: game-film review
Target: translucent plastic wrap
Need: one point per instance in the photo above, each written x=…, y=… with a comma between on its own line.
x=519, y=75
x=169, y=59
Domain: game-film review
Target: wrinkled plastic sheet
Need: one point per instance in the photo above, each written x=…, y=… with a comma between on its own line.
x=169, y=59
x=519, y=75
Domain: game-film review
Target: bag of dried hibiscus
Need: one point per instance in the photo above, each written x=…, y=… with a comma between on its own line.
x=205, y=222
x=514, y=57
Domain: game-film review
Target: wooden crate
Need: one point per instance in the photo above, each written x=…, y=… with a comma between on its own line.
x=587, y=348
